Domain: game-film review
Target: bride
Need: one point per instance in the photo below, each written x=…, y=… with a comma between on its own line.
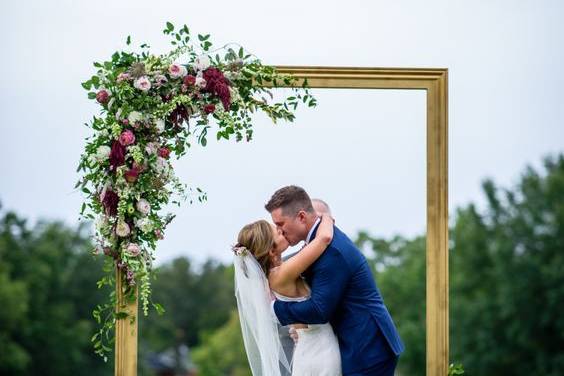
x=261, y=275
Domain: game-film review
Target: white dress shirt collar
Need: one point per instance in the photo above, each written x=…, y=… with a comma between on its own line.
x=308, y=239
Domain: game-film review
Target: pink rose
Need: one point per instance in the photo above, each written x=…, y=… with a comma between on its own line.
x=159, y=234
x=102, y=96
x=126, y=138
x=133, y=249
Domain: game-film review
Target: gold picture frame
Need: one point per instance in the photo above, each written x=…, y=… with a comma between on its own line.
x=435, y=83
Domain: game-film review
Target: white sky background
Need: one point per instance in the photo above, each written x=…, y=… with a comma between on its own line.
x=362, y=151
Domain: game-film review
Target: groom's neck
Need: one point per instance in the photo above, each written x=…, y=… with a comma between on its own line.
x=310, y=221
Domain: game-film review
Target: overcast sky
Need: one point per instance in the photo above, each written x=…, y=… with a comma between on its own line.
x=362, y=151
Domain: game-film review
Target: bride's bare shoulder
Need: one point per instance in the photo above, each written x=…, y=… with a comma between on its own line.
x=274, y=279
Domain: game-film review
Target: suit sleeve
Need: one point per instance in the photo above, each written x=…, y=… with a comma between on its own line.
x=330, y=277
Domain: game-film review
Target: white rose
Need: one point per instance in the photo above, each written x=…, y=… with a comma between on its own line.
x=160, y=125
x=103, y=152
x=143, y=206
x=144, y=224
x=142, y=83
x=134, y=116
x=202, y=63
x=122, y=229
x=151, y=148
x=162, y=165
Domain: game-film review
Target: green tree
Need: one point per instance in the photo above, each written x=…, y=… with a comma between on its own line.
x=46, y=323
x=222, y=352
x=507, y=279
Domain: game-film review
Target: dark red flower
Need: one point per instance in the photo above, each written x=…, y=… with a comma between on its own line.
x=117, y=155
x=131, y=175
x=139, y=167
x=164, y=152
x=102, y=96
x=178, y=115
x=209, y=108
x=217, y=84
x=189, y=80
x=110, y=202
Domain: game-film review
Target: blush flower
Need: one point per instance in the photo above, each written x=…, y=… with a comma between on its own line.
x=143, y=206
x=122, y=229
x=123, y=77
x=177, y=70
x=142, y=83
x=133, y=249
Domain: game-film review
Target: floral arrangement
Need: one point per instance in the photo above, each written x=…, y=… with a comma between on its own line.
x=153, y=108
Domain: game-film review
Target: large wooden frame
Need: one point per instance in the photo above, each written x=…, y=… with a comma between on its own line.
x=435, y=83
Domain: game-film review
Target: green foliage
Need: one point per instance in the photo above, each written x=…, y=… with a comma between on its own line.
x=46, y=279
x=222, y=352
x=506, y=280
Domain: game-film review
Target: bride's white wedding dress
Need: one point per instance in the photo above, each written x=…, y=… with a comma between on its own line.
x=317, y=351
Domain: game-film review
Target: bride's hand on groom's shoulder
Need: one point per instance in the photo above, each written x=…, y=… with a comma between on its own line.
x=325, y=231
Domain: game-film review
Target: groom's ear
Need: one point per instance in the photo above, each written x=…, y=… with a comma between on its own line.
x=302, y=216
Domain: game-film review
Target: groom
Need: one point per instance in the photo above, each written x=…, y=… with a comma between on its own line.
x=343, y=291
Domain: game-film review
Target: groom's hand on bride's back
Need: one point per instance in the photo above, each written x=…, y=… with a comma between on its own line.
x=293, y=334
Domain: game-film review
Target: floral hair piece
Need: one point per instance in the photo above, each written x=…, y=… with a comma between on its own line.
x=240, y=250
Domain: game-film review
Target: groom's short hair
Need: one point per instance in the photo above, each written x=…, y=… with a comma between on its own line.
x=291, y=199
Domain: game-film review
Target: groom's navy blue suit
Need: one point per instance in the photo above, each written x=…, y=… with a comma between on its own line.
x=344, y=294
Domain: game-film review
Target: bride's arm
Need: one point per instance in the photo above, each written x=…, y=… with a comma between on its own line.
x=291, y=269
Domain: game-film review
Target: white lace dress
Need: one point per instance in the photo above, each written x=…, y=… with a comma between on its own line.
x=317, y=351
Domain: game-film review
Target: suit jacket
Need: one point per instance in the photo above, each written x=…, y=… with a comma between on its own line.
x=344, y=293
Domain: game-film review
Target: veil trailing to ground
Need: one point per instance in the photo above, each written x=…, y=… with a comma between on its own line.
x=258, y=326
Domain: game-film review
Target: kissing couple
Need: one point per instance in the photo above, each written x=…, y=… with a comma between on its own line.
x=325, y=294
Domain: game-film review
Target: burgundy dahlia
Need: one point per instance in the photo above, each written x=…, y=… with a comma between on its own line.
x=110, y=202
x=117, y=155
x=217, y=84
x=178, y=115
x=209, y=108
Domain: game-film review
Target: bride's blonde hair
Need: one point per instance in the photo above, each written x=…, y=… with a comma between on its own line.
x=258, y=239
